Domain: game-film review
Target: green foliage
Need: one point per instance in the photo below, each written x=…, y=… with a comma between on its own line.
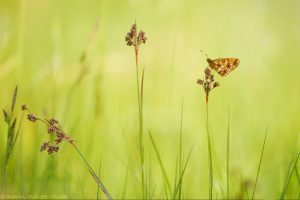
x=70, y=61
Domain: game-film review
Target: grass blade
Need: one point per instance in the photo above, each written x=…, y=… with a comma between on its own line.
x=14, y=100
x=160, y=162
x=228, y=145
x=289, y=178
x=99, y=172
x=260, y=161
x=211, y=175
x=100, y=184
x=180, y=144
x=181, y=176
x=176, y=172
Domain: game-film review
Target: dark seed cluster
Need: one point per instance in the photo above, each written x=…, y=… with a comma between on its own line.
x=208, y=83
x=135, y=39
x=53, y=129
x=31, y=117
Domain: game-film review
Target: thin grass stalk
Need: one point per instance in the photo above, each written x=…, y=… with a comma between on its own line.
x=180, y=146
x=259, y=165
x=289, y=178
x=286, y=177
x=8, y=146
x=298, y=178
x=100, y=184
x=99, y=171
x=135, y=39
x=182, y=173
x=11, y=136
x=208, y=84
x=211, y=175
x=141, y=137
x=165, y=189
x=228, y=149
x=140, y=120
x=160, y=162
x=297, y=174
x=177, y=174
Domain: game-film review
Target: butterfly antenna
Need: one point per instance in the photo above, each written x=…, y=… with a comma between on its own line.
x=204, y=53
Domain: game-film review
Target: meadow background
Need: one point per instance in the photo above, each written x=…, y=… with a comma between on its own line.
x=42, y=43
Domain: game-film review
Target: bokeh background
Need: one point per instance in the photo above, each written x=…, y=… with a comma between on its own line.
x=42, y=44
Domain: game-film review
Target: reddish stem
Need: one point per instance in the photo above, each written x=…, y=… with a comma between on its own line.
x=206, y=98
x=136, y=55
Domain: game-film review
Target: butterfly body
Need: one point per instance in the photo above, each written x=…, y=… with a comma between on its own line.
x=223, y=66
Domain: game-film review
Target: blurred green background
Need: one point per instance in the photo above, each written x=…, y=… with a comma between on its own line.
x=42, y=43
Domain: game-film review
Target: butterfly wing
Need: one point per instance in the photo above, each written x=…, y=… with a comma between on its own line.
x=223, y=65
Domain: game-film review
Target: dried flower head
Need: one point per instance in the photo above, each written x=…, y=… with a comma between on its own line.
x=52, y=128
x=52, y=149
x=44, y=146
x=31, y=117
x=23, y=107
x=133, y=38
x=208, y=83
x=53, y=121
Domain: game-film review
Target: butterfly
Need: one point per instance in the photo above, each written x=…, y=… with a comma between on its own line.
x=223, y=66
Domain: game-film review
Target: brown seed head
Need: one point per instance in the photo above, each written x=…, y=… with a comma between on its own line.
x=44, y=146
x=134, y=39
x=200, y=82
x=23, y=107
x=216, y=84
x=53, y=121
x=31, y=117
x=208, y=83
x=53, y=128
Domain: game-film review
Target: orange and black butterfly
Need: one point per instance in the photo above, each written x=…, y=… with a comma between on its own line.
x=223, y=65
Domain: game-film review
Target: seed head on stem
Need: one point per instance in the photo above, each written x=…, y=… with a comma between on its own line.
x=53, y=128
x=60, y=136
x=208, y=83
x=135, y=39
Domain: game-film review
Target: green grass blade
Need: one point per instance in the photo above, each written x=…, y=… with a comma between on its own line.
x=181, y=176
x=99, y=173
x=97, y=180
x=18, y=130
x=177, y=173
x=228, y=148
x=259, y=165
x=180, y=145
x=286, y=178
x=165, y=188
x=289, y=178
x=160, y=162
x=14, y=99
x=210, y=161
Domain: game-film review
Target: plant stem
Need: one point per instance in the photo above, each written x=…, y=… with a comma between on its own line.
x=8, y=146
x=180, y=147
x=289, y=177
x=228, y=145
x=3, y=178
x=100, y=184
x=211, y=176
x=260, y=161
x=141, y=139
